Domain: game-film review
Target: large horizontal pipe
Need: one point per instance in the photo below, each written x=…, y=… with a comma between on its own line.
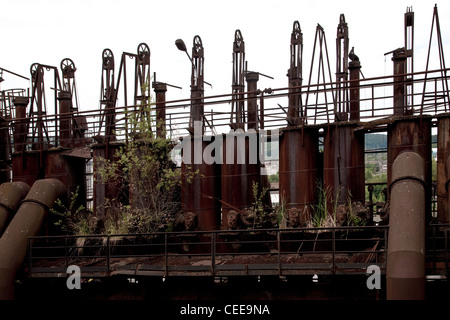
x=11, y=194
x=405, y=275
x=26, y=223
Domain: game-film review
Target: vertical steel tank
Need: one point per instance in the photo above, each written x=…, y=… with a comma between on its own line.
x=201, y=193
x=343, y=169
x=239, y=171
x=298, y=166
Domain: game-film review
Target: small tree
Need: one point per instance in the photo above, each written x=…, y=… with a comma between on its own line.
x=150, y=181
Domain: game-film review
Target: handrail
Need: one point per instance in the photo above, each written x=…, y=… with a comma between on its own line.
x=205, y=239
x=209, y=245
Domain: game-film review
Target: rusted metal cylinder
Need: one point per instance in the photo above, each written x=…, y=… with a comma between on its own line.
x=354, y=67
x=399, y=59
x=405, y=274
x=160, y=91
x=298, y=169
x=411, y=134
x=294, y=107
x=20, y=123
x=343, y=168
x=197, y=109
x=239, y=171
x=201, y=193
x=252, y=106
x=4, y=150
x=26, y=223
x=65, y=122
x=443, y=152
x=11, y=193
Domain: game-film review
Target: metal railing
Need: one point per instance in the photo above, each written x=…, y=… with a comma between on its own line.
x=281, y=252
x=376, y=102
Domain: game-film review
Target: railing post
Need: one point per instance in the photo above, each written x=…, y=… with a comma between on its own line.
x=166, y=267
x=213, y=253
x=108, y=254
x=66, y=254
x=333, y=245
x=385, y=246
x=29, y=254
x=434, y=247
x=279, y=252
x=445, y=252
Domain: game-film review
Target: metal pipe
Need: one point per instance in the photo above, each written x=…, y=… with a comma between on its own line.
x=65, y=122
x=26, y=223
x=20, y=124
x=252, y=106
x=355, y=69
x=405, y=275
x=399, y=59
x=11, y=193
x=160, y=91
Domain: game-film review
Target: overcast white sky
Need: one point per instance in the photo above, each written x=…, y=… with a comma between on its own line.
x=49, y=31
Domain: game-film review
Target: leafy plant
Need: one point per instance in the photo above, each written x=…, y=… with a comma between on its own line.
x=71, y=219
x=259, y=215
x=147, y=178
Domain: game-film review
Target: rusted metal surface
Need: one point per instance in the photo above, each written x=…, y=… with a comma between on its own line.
x=108, y=94
x=26, y=167
x=445, y=216
x=252, y=104
x=295, y=75
x=399, y=87
x=411, y=134
x=200, y=194
x=11, y=194
x=237, y=120
x=405, y=277
x=354, y=68
x=20, y=123
x=197, y=84
x=27, y=222
x=65, y=124
x=141, y=87
x=238, y=173
x=299, y=159
x=160, y=92
x=343, y=169
x=342, y=50
x=409, y=51
x=4, y=150
x=70, y=169
x=443, y=151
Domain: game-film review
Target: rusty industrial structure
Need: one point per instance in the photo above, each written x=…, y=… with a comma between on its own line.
x=233, y=226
